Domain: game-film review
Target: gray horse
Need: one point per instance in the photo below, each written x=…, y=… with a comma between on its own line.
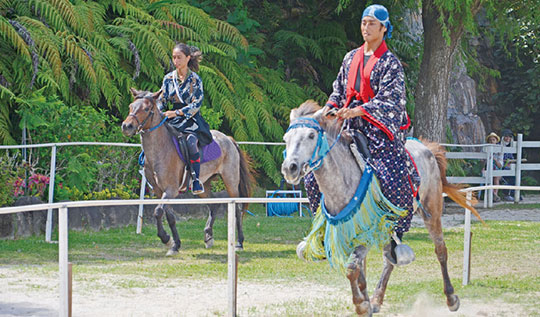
x=164, y=169
x=338, y=178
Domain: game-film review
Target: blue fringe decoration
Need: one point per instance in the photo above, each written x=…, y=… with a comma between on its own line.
x=368, y=220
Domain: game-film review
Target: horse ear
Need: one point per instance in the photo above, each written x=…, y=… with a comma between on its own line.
x=134, y=92
x=294, y=114
x=157, y=94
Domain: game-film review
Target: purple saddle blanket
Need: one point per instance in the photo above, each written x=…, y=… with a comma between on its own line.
x=209, y=153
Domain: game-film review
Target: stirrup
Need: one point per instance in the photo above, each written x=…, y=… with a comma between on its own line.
x=197, y=187
x=404, y=253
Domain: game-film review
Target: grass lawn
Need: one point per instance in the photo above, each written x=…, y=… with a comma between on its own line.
x=504, y=269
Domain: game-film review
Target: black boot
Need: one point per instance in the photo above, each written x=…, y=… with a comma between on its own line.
x=196, y=186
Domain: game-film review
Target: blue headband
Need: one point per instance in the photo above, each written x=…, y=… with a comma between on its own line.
x=380, y=13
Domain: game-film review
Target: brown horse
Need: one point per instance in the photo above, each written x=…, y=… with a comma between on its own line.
x=338, y=177
x=165, y=171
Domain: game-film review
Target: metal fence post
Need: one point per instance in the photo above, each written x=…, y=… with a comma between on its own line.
x=518, y=167
x=231, y=258
x=48, y=225
x=63, y=260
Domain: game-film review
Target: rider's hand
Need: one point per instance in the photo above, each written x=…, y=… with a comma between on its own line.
x=172, y=114
x=329, y=112
x=348, y=113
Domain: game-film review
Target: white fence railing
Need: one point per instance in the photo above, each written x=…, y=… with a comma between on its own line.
x=487, y=155
x=486, y=179
x=54, y=146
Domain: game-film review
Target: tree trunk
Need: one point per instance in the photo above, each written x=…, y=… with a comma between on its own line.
x=431, y=99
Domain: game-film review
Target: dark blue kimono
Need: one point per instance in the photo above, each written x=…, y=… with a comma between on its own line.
x=384, y=123
x=186, y=96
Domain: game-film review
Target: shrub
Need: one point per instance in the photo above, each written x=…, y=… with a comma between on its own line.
x=119, y=192
x=87, y=168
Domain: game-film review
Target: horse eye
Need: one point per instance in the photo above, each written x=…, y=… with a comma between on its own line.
x=312, y=135
x=147, y=109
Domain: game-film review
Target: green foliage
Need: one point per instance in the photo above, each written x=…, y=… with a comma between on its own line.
x=21, y=178
x=118, y=192
x=89, y=53
x=520, y=87
x=7, y=178
x=261, y=58
x=515, y=63
x=88, y=168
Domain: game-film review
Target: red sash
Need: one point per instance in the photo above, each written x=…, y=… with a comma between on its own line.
x=366, y=93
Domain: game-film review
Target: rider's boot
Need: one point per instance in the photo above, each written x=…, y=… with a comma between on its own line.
x=196, y=186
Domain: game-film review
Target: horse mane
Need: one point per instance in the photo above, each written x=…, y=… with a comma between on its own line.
x=306, y=109
x=143, y=94
x=310, y=108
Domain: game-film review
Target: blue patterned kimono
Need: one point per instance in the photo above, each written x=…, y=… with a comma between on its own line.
x=186, y=96
x=384, y=123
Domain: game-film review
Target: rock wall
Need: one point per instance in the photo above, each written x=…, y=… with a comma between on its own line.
x=466, y=126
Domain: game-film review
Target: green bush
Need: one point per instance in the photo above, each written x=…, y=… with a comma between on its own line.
x=7, y=178
x=88, y=168
x=74, y=194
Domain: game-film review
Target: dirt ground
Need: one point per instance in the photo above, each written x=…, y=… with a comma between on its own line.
x=25, y=293
x=20, y=296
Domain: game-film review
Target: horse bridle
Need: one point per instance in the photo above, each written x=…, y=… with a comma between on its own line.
x=321, y=149
x=148, y=117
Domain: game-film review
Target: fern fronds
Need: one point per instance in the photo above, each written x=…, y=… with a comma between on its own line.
x=47, y=11
x=73, y=50
x=9, y=34
x=231, y=34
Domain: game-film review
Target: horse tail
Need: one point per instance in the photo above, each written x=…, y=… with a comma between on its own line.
x=247, y=180
x=452, y=190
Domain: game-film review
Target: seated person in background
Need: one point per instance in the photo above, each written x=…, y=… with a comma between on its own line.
x=493, y=138
x=508, y=158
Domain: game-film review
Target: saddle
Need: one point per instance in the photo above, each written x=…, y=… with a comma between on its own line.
x=208, y=153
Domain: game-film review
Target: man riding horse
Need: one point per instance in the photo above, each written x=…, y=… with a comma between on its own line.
x=369, y=92
x=184, y=89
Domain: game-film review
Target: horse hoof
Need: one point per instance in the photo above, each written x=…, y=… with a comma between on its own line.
x=171, y=252
x=239, y=247
x=453, y=305
x=300, y=248
x=209, y=243
x=375, y=308
x=364, y=309
x=170, y=243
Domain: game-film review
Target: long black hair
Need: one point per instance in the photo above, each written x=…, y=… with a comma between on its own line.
x=194, y=52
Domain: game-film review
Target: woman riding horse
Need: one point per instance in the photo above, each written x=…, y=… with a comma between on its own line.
x=370, y=92
x=184, y=89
